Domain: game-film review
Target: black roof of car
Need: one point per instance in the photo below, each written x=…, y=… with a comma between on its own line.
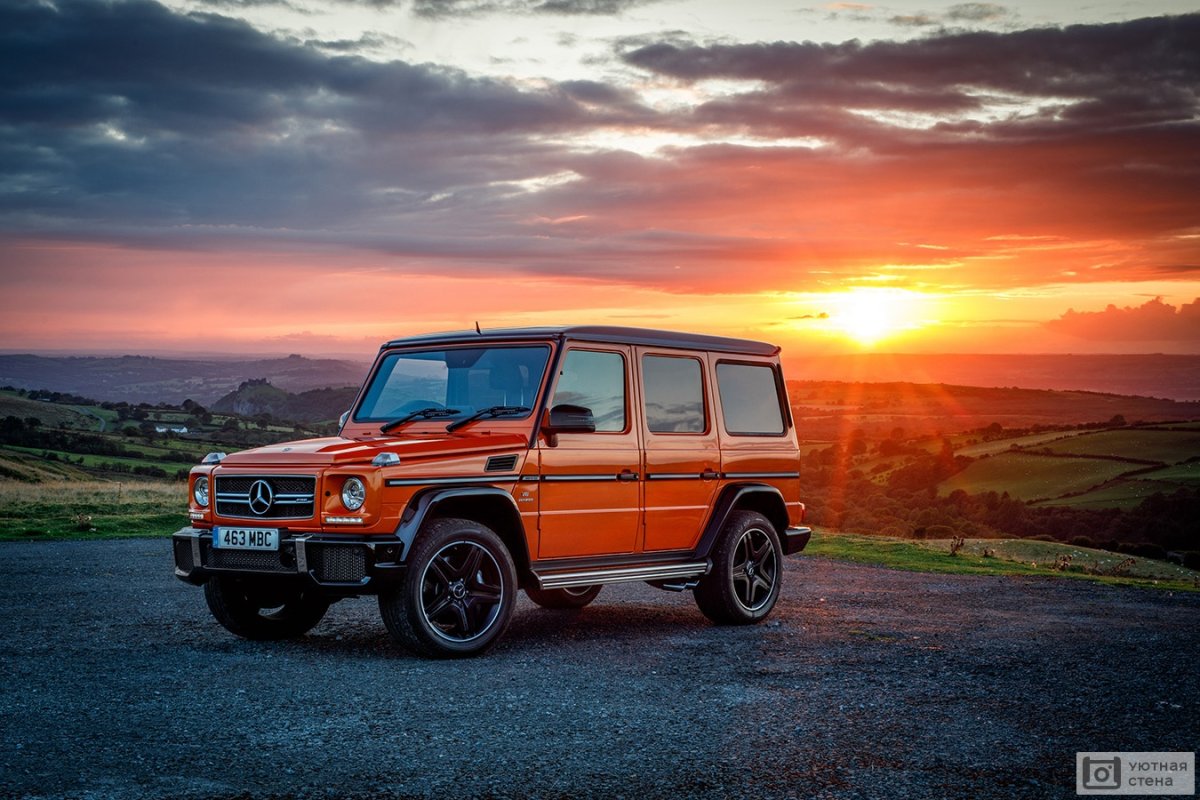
x=613, y=334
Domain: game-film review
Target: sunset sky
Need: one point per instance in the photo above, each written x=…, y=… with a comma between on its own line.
x=316, y=176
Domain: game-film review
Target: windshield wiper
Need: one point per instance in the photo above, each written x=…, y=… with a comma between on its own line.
x=494, y=411
x=420, y=413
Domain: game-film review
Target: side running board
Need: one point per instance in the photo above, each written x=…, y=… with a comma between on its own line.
x=592, y=577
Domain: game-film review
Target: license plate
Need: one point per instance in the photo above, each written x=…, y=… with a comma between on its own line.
x=246, y=538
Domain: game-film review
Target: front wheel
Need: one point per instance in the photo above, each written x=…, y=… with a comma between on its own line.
x=576, y=597
x=746, y=573
x=263, y=612
x=458, y=592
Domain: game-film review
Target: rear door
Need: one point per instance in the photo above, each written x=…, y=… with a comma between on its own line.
x=683, y=455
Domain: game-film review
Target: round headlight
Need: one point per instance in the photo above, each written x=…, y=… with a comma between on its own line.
x=200, y=490
x=354, y=494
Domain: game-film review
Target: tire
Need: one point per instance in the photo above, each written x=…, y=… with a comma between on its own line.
x=576, y=597
x=746, y=573
x=263, y=612
x=457, y=595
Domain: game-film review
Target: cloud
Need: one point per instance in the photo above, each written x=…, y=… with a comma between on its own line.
x=442, y=9
x=1153, y=321
x=976, y=12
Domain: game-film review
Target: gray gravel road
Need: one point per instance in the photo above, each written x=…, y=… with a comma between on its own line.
x=866, y=683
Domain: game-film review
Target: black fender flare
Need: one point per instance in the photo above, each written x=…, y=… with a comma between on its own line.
x=760, y=497
x=426, y=503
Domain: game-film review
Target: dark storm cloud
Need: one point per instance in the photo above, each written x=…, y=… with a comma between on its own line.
x=1153, y=321
x=1145, y=70
x=124, y=112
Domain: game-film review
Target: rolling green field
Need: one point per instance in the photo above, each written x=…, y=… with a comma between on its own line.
x=1019, y=557
x=1003, y=445
x=90, y=509
x=1032, y=477
x=1126, y=494
x=1165, y=447
x=52, y=415
x=102, y=462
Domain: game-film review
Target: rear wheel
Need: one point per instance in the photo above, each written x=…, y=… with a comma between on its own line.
x=458, y=593
x=263, y=612
x=747, y=569
x=576, y=597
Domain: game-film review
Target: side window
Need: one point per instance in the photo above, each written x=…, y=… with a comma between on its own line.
x=674, y=394
x=749, y=399
x=594, y=380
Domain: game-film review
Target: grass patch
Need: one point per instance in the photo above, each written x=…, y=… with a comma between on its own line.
x=1005, y=557
x=90, y=510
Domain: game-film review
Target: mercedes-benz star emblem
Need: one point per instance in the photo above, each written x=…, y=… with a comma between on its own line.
x=261, y=497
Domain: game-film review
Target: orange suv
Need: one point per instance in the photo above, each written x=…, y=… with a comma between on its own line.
x=472, y=465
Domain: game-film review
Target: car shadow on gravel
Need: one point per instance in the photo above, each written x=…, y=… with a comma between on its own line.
x=532, y=629
x=601, y=623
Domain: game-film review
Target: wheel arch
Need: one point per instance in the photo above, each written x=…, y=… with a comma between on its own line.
x=760, y=497
x=487, y=505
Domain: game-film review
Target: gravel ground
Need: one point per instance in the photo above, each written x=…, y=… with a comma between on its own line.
x=865, y=683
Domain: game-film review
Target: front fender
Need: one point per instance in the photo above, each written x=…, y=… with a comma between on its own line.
x=486, y=504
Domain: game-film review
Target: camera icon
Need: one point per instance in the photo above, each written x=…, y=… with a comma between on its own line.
x=1101, y=773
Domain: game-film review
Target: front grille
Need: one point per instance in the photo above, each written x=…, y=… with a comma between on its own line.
x=256, y=560
x=340, y=564
x=265, y=497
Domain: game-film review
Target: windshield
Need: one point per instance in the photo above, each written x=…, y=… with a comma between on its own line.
x=461, y=380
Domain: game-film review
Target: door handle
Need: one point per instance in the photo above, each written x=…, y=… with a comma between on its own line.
x=627, y=475
x=709, y=475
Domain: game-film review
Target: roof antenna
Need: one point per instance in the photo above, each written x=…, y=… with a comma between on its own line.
x=477, y=328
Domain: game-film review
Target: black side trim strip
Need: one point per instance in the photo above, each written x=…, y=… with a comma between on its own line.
x=740, y=475
x=466, y=479
x=673, y=476
x=574, y=478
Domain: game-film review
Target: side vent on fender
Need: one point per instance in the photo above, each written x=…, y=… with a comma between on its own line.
x=501, y=463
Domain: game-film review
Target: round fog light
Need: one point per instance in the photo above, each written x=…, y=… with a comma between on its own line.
x=200, y=491
x=354, y=494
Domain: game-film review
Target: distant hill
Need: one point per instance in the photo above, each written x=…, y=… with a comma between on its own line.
x=256, y=397
x=830, y=410
x=1176, y=377
x=139, y=379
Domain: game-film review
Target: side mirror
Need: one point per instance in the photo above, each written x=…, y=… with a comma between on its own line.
x=342, y=419
x=566, y=418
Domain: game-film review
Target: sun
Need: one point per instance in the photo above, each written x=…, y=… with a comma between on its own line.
x=870, y=315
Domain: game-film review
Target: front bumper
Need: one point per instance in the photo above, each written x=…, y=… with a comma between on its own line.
x=337, y=564
x=795, y=540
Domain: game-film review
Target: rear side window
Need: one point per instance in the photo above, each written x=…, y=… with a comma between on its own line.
x=674, y=394
x=594, y=380
x=749, y=399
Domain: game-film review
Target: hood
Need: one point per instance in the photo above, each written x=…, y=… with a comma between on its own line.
x=335, y=451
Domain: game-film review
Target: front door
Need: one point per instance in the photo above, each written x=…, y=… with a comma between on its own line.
x=590, y=489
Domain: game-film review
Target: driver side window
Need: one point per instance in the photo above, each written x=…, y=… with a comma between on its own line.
x=594, y=380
